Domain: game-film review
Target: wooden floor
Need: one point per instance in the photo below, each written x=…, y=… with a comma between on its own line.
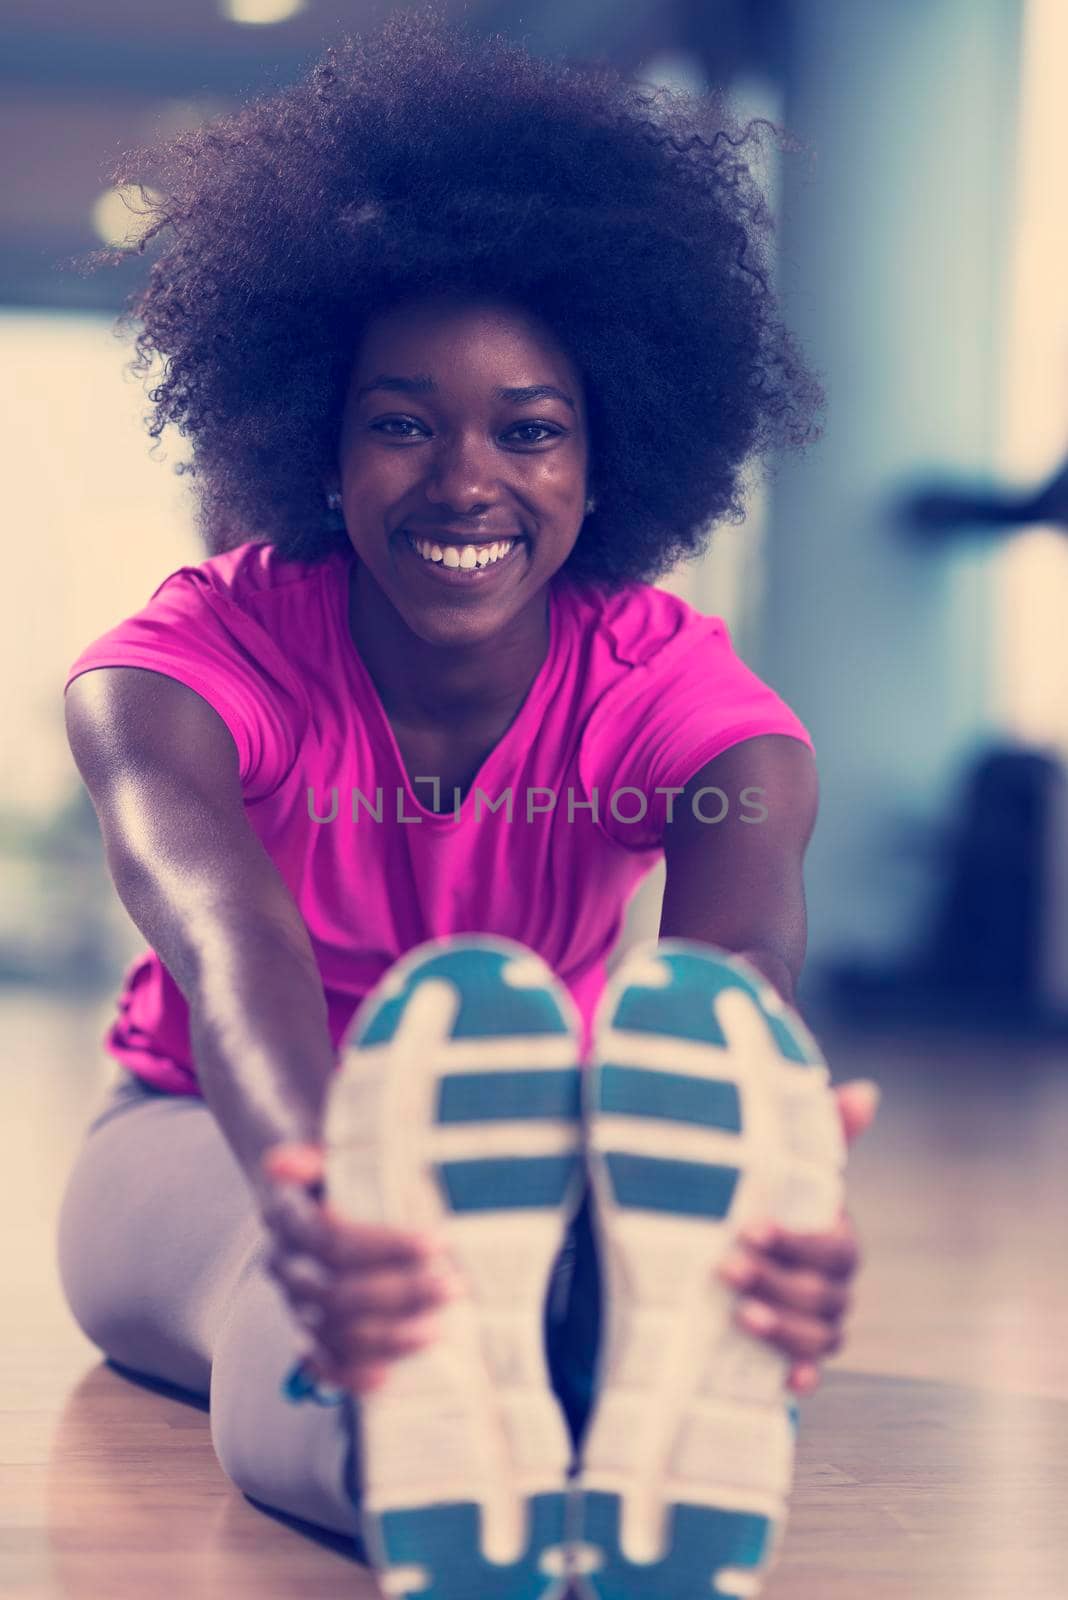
x=932, y=1463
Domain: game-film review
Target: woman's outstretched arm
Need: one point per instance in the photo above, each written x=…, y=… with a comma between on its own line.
x=162, y=771
x=738, y=882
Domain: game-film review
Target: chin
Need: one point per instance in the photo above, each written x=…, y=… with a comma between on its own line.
x=438, y=626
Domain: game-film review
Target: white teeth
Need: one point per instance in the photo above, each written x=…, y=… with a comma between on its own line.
x=469, y=556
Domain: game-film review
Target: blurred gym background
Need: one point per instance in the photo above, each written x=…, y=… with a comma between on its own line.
x=918, y=632
x=904, y=586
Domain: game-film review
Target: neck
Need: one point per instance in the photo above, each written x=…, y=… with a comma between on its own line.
x=422, y=684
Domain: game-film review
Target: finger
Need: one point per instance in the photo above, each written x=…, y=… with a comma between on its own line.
x=365, y=1245
x=315, y=1229
x=308, y=1314
x=387, y=1293
x=303, y=1277
x=379, y=1338
x=290, y=1212
x=393, y=1293
x=360, y=1379
x=788, y=1288
x=835, y=1252
x=365, y=1379
x=803, y=1338
x=858, y=1101
x=804, y=1378
x=297, y=1163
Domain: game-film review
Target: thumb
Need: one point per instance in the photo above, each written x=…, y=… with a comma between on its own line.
x=294, y=1163
x=858, y=1101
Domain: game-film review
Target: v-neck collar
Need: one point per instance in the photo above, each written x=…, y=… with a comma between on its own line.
x=379, y=723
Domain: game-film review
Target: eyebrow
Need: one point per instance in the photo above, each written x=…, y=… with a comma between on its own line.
x=426, y=385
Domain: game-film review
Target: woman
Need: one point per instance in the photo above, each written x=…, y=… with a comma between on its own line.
x=471, y=347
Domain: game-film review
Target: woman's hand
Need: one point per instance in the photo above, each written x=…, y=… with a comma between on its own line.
x=367, y=1293
x=797, y=1285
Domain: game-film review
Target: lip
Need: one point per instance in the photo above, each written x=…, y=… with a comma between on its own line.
x=457, y=576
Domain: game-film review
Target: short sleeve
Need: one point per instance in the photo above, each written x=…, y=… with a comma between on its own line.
x=662, y=721
x=192, y=631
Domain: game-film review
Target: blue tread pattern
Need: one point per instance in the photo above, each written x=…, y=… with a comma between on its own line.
x=675, y=1096
x=683, y=1188
x=502, y=1096
x=505, y=1183
x=683, y=1009
x=488, y=1005
x=701, y=1540
x=446, y=1540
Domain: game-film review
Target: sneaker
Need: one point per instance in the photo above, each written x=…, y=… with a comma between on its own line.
x=707, y=1106
x=456, y=1108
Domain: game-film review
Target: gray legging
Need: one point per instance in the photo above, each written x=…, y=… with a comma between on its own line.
x=161, y=1257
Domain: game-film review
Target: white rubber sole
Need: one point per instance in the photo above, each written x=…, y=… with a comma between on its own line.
x=456, y=1109
x=707, y=1105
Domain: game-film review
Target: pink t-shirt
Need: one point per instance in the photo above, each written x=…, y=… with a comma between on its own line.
x=638, y=690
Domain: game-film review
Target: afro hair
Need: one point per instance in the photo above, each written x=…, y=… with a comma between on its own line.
x=421, y=158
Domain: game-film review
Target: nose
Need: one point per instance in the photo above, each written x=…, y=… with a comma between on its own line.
x=462, y=477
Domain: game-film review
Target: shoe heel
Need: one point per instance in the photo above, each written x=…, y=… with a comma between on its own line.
x=457, y=1110
x=707, y=1105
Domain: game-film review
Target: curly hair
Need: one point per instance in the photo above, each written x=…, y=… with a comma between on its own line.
x=420, y=158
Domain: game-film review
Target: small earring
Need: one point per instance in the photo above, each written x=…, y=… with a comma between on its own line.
x=591, y=504
x=333, y=500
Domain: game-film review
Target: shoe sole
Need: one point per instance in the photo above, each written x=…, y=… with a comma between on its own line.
x=456, y=1108
x=707, y=1105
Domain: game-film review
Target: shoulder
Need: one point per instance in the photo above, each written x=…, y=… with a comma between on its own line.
x=245, y=576
x=641, y=625
x=234, y=628
x=668, y=695
x=250, y=608
x=648, y=651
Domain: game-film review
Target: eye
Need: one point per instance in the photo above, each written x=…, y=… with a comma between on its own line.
x=545, y=428
x=394, y=428
x=391, y=422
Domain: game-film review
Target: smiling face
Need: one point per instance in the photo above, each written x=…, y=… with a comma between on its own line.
x=464, y=427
